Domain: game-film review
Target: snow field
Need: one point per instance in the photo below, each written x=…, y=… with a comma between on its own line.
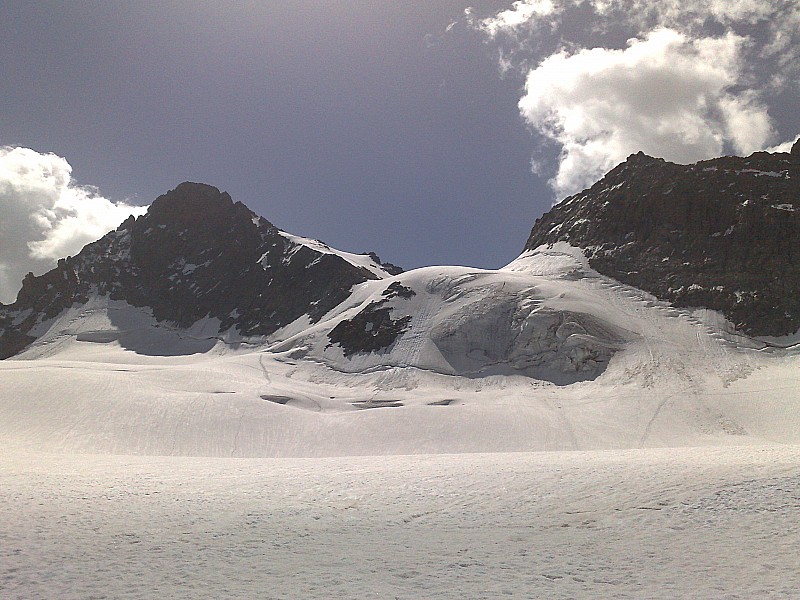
x=260, y=405
x=656, y=523
x=141, y=461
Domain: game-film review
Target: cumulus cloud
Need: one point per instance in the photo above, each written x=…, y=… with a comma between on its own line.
x=694, y=80
x=665, y=94
x=46, y=215
x=772, y=27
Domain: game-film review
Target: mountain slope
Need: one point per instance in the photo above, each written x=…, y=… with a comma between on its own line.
x=468, y=322
x=545, y=354
x=195, y=254
x=721, y=234
x=201, y=329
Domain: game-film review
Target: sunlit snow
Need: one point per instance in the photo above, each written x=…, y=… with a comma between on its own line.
x=538, y=431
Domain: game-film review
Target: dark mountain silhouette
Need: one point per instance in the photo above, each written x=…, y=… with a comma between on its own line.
x=721, y=234
x=194, y=254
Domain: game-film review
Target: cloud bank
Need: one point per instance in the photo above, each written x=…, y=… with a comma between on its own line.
x=683, y=80
x=665, y=94
x=46, y=215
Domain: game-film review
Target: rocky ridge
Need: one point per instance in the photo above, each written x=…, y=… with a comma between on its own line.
x=195, y=254
x=722, y=234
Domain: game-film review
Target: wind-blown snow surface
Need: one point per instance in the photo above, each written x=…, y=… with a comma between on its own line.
x=412, y=472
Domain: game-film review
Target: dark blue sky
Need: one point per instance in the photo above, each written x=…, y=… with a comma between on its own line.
x=384, y=126
x=363, y=124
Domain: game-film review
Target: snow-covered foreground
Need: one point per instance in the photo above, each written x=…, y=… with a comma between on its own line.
x=656, y=523
x=140, y=461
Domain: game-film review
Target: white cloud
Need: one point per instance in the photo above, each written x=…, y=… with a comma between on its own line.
x=695, y=80
x=665, y=94
x=521, y=12
x=772, y=26
x=783, y=147
x=642, y=14
x=46, y=216
x=674, y=13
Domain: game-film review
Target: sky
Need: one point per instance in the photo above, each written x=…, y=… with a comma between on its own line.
x=428, y=132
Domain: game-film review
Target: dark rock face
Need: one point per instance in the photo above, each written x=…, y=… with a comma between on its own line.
x=194, y=254
x=387, y=266
x=722, y=234
x=373, y=328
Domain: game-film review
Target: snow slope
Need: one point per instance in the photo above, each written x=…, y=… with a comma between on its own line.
x=676, y=523
x=544, y=354
x=364, y=261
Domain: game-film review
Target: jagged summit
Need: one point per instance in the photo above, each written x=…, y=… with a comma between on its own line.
x=194, y=254
x=192, y=204
x=721, y=233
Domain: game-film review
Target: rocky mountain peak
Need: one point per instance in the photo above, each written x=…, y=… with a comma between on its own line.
x=191, y=203
x=720, y=234
x=195, y=254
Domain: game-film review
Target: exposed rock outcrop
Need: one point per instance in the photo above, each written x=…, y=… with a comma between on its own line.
x=195, y=254
x=722, y=234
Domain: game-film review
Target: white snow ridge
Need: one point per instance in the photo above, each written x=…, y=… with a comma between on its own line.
x=537, y=431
